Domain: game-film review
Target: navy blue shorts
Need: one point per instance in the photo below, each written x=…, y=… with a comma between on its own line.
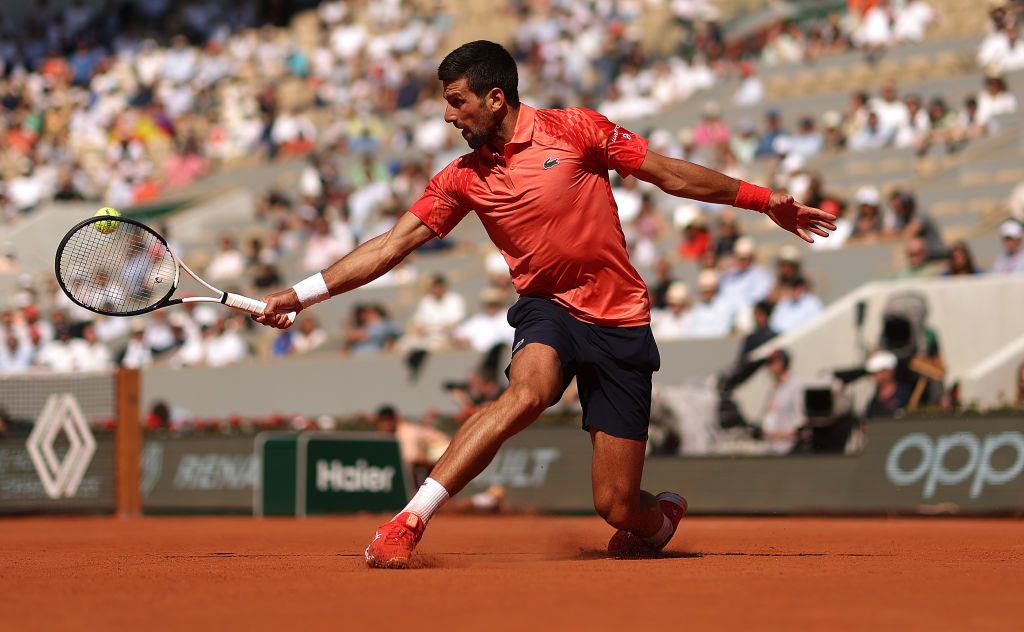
x=612, y=365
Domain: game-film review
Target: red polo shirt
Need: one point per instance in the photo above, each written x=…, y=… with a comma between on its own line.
x=547, y=205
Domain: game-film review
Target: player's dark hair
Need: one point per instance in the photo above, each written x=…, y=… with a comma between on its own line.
x=485, y=65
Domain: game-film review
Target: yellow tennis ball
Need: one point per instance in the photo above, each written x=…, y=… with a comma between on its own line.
x=108, y=226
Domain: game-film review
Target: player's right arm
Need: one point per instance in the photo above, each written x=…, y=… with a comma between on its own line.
x=364, y=264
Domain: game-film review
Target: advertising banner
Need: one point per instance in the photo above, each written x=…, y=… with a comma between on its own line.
x=75, y=484
x=329, y=472
x=199, y=474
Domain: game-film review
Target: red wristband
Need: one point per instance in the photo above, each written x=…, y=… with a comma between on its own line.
x=752, y=197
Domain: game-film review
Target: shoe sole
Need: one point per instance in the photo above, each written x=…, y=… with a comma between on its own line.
x=393, y=563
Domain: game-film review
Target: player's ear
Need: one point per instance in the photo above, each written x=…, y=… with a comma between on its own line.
x=494, y=100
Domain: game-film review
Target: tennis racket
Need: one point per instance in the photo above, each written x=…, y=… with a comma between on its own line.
x=121, y=267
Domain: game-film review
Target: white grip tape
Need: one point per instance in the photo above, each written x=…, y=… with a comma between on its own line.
x=312, y=290
x=250, y=305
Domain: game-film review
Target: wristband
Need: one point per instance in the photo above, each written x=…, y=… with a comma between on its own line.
x=312, y=290
x=752, y=197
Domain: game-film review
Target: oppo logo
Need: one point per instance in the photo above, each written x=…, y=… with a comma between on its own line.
x=970, y=455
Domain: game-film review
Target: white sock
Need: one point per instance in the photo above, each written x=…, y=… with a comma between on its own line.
x=662, y=535
x=429, y=497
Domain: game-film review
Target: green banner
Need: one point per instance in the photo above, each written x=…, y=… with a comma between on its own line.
x=275, y=495
x=348, y=473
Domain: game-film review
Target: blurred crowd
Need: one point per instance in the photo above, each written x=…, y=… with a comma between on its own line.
x=98, y=105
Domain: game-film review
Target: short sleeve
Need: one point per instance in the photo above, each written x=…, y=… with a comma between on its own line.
x=613, y=145
x=438, y=207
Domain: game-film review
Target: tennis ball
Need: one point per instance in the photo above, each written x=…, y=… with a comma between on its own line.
x=108, y=226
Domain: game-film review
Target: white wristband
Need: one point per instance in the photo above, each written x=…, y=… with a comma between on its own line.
x=312, y=290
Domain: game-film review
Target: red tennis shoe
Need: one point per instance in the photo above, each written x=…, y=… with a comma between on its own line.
x=626, y=544
x=393, y=544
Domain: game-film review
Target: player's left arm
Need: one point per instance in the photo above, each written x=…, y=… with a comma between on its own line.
x=689, y=180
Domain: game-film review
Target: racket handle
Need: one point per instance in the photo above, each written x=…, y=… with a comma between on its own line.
x=250, y=305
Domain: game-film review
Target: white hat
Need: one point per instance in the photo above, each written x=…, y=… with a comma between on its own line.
x=868, y=195
x=1011, y=228
x=881, y=361
x=744, y=248
x=492, y=295
x=832, y=119
x=790, y=253
x=678, y=293
x=707, y=279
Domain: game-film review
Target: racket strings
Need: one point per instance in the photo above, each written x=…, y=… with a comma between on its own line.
x=125, y=270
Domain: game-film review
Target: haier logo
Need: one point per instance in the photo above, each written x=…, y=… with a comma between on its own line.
x=334, y=476
x=929, y=464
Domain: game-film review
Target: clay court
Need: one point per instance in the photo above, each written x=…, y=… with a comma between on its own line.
x=509, y=573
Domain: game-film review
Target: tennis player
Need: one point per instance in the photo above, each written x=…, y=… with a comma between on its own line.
x=538, y=180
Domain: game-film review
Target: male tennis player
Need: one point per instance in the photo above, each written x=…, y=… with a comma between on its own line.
x=538, y=180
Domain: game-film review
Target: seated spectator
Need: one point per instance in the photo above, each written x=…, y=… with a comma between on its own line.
x=915, y=128
x=893, y=113
x=751, y=90
x=1012, y=259
x=911, y=20
x=942, y=127
x=712, y=315
x=834, y=139
x=867, y=227
x=480, y=389
x=58, y=354
x=918, y=264
x=489, y=328
x=421, y=446
x=969, y=125
x=908, y=222
x=746, y=282
x=371, y=331
x=727, y=232
x=785, y=415
x=762, y=332
x=995, y=100
x=891, y=396
x=16, y=354
x=228, y=264
x=712, y=131
x=323, y=247
x=960, y=261
x=696, y=237
x=223, y=344
x=310, y=335
x=773, y=131
x=673, y=321
x=663, y=280
x=806, y=142
x=872, y=136
x=796, y=306
x=136, y=354
x=438, y=314
x=1002, y=50
x=90, y=354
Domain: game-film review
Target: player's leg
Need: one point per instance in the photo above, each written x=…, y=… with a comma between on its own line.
x=535, y=381
x=644, y=523
x=617, y=467
x=614, y=382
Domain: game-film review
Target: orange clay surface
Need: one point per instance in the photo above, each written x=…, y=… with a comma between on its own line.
x=497, y=573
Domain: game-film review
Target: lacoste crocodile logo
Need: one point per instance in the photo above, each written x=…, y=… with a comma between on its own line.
x=550, y=162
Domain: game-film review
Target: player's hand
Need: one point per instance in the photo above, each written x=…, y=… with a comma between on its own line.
x=798, y=218
x=279, y=305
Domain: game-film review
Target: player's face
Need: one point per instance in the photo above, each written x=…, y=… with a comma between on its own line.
x=469, y=113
